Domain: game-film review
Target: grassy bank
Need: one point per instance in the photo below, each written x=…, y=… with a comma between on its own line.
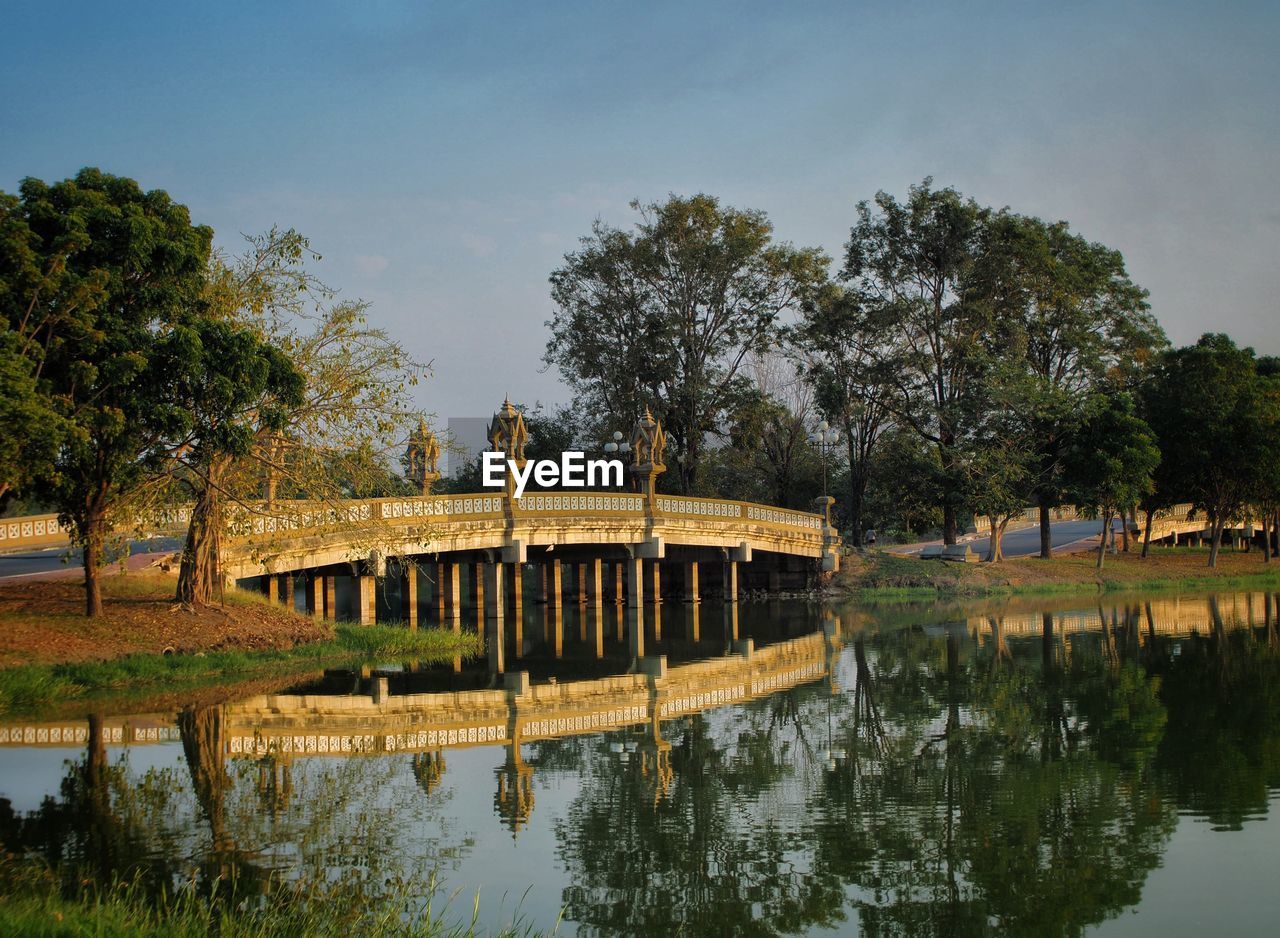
x=50, y=654
x=34, y=903
x=880, y=575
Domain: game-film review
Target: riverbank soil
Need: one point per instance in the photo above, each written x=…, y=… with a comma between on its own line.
x=882, y=572
x=43, y=622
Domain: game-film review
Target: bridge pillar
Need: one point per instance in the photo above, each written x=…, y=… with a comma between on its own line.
x=635, y=631
x=315, y=595
x=273, y=588
x=477, y=592
x=437, y=592
x=730, y=581
x=494, y=588
x=657, y=622
x=517, y=590
x=635, y=582
x=580, y=574
x=617, y=583
x=495, y=645
x=288, y=590
x=595, y=580
x=695, y=628
x=452, y=583
x=368, y=588
x=554, y=581
x=409, y=596
x=691, y=594
x=330, y=596
x=655, y=595
x=731, y=623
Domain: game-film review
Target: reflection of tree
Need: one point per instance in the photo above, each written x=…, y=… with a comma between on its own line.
x=1223, y=695
x=974, y=785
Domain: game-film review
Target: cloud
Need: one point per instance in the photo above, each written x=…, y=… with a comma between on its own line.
x=371, y=265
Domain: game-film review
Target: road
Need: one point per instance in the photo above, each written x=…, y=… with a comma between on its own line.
x=60, y=559
x=1025, y=542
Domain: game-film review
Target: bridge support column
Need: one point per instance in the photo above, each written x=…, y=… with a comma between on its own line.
x=452, y=583
x=289, y=590
x=655, y=595
x=617, y=583
x=595, y=581
x=695, y=630
x=495, y=640
x=437, y=592
x=635, y=632
x=330, y=597
x=494, y=588
x=731, y=581
x=554, y=582
x=691, y=594
x=368, y=588
x=409, y=597
x=273, y=587
x=517, y=590
x=730, y=625
x=580, y=574
x=315, y=595
x=477, y=592
x=635, y=582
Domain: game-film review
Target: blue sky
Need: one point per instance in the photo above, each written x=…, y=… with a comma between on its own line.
x=444, y=156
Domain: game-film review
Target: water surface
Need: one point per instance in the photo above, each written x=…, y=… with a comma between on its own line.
x=1054, y=766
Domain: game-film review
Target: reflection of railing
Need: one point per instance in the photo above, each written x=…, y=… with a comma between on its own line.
x=359, y=724
x=1174, y=616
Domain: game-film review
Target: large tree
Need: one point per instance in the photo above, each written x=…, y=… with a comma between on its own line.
x=133, y=267
x=849, y=367
x=910, y=263
x=1074, y=320
x=1218, y=423
x=663, y=317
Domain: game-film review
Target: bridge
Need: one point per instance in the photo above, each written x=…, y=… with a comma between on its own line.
x=632, y=546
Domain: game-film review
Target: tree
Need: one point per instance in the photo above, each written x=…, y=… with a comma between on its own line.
x=1218, y=423
x=145, y=263
x=309, y=401
x=665, y=317
x=845, y=362
x=1076, y=319
x=1110, y=461
x=910, y=264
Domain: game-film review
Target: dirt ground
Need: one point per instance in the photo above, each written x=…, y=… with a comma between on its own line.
x=1165, y=566
x=42, y=622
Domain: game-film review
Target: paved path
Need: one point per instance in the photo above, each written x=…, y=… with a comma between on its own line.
x=1068, y=536
x=49, y=564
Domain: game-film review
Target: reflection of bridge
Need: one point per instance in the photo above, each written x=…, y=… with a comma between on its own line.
x=1172, y=616
x=381, y=722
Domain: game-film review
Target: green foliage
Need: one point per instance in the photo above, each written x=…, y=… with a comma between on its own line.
x=663, y=318
x=1217, y=420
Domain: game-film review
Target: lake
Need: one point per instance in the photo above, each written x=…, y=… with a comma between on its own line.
x=1050, y=765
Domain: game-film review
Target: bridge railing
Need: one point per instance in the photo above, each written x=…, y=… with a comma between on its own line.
x=251, y=522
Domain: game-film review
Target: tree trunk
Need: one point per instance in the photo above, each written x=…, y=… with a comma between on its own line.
x=1124, y=529
x=1215, y=539
x=1266, y=538
x=1102, y=543
x=201, y=573
x=950, y=527
x=1046, y=532
x=995, y=552
x=1146, y=532
x=95, y=536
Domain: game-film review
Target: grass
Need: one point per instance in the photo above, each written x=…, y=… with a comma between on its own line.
x=30, y=687
x=33, y=903
x=890, y=577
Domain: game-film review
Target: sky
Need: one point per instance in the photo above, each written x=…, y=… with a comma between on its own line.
x=443, y=157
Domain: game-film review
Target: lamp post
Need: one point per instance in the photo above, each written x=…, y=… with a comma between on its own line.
x=824, y=438
x=618, y=445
